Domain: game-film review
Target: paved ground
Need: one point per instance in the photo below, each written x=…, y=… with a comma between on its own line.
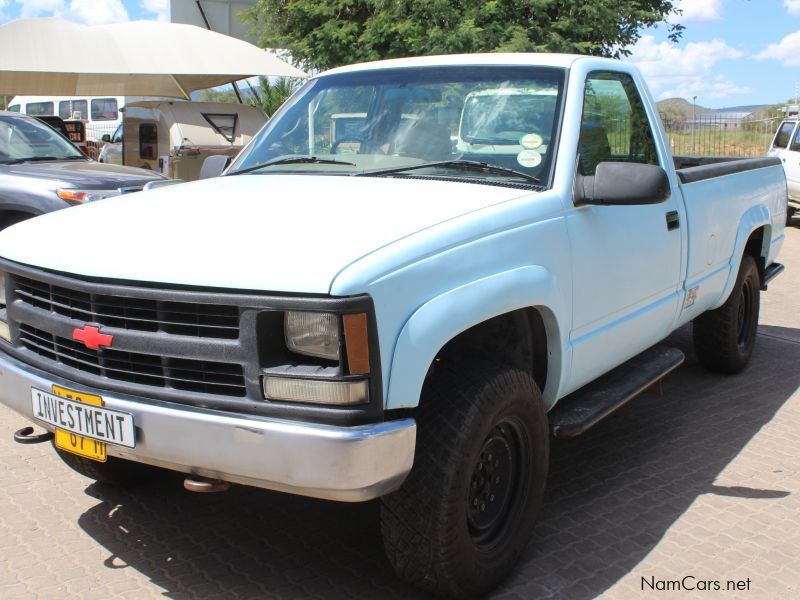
x=702, y=483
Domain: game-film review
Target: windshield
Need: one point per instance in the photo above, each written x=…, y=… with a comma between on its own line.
x=382, y=120
x=23, y=138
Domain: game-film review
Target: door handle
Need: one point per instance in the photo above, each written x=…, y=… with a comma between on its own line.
x=673, y=221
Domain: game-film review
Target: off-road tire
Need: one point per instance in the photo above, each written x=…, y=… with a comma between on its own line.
x=431, y=537
x=724, y=338
x=115, y=471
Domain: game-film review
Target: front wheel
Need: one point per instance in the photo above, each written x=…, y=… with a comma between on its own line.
x=724, y=338
x=466, y=512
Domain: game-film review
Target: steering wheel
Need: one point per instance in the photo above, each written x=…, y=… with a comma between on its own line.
x=357, y=138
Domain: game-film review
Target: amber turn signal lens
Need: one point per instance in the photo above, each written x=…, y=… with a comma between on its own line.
x=74, y=196
x=356, y=341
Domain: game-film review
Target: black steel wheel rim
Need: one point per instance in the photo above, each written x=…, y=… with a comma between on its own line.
x=745, y=314
x=496, y=485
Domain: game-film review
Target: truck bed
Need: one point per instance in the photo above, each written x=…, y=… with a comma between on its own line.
x=697, y=168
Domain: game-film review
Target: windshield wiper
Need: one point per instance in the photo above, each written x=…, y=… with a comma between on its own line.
x=471, y=165
x=17, y=161
x=294, y=160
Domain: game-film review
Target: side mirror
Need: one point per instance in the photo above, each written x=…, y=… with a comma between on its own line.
x=623, y=183
x=106, y=138
x=213, y=166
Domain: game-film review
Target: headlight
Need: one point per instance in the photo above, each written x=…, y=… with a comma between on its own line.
x=312, y=334
x=5, y=332
x=80, y=196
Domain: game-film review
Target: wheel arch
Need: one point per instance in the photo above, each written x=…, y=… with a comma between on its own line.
x=753, y=237
x=456, y=323
x=11, y=214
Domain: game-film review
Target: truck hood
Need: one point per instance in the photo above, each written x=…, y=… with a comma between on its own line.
x=290, y=233
x=83, y=173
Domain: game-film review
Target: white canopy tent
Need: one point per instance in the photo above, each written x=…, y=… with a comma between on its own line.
x=55, y=57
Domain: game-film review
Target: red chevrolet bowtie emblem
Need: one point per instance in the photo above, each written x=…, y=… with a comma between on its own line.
x=92, y=338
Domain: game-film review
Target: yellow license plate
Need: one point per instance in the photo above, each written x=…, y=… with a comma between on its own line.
x=72, y=442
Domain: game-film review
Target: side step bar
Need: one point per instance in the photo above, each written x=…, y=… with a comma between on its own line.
x=585, y=407
x=770, y=273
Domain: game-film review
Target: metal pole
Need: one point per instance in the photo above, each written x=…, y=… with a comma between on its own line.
x=208, y=26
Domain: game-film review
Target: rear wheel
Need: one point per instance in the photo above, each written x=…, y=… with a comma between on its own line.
x=724, y=338
x=466, y=512
x=789, y=214
x=115, y=471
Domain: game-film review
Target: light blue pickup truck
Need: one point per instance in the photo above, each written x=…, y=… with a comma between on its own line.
x=405, y=308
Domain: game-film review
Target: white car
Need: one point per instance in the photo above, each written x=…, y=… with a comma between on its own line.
x=786, y=146
x=112, y=150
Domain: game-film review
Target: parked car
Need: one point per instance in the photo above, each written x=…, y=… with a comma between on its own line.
x=174, y=138
x=380, y=324
x=42, y=171
x=786, y=146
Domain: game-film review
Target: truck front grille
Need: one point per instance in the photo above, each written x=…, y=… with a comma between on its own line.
x=144, y=369
x=139, y=314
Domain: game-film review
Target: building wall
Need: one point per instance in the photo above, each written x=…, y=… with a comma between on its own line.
x=221, y=15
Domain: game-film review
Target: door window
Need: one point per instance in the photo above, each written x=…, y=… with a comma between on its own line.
x=148, y=141
x=105, y=109
x=117, y=137
x=783, y=136
x=614, y=126
x=796, y=141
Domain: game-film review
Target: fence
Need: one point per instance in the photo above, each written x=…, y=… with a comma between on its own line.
x=721, y=134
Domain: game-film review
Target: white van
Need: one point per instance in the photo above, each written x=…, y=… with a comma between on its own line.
x=786, y=146
x=101, y=113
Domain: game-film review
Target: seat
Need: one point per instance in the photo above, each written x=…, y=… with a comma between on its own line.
x=423, y=138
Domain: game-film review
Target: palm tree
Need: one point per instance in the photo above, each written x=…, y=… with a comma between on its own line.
x=273, y=93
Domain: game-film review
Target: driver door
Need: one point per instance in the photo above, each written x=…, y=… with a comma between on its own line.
x=626, y=259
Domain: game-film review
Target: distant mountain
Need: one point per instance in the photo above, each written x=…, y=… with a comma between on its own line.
x=680, y=108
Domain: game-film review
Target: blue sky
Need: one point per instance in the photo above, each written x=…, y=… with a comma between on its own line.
x=733, y=52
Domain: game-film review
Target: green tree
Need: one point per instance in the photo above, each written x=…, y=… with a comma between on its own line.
x=326, y=33
x=212, y=95
x=273, y=93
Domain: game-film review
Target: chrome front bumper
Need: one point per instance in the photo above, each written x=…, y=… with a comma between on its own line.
x=350, y=464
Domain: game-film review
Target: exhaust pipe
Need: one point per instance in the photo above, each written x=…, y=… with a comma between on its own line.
x=204, y=485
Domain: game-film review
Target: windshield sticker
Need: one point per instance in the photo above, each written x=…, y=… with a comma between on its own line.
x=529, y=158
x=531, y=141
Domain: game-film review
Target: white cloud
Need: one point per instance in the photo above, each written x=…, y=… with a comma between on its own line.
x=42, y=8
x=93, y=12
x=700, y=11
x=98, y=12
x=3, y=3
x=685, y=71
x=787, y=50
x=159, y=7
x=792, y=7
